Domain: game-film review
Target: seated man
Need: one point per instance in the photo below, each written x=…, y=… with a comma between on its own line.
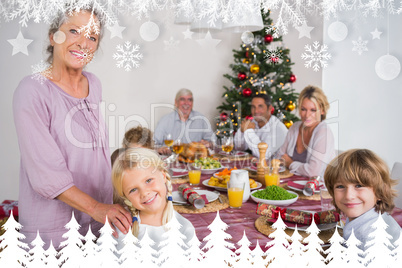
x=184, y=123
x=263, y=128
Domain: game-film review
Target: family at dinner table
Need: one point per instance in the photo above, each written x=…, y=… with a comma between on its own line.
x=68, y=168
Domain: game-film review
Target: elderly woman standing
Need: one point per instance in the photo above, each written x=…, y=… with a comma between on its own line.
x=65, y=160
x=309, y=144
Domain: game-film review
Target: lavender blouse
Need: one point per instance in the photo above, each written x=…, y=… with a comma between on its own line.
x=63, y=142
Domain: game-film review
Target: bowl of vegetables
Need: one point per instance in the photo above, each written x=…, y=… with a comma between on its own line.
x=207, y=165
x=274, y=195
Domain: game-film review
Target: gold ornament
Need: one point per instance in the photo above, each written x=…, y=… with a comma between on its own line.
x=246, y=61
x=288, y=123
x=254, y=68
x=291, y=106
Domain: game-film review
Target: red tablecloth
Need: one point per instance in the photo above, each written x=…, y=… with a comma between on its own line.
x=243, y=219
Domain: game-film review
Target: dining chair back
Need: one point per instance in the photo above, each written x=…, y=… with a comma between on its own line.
x=396, y=174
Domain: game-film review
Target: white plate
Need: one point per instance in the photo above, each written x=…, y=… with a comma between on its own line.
x=236, y=153
x=178, y=198
x=281, y=169
x=178, y=170
x=301, y=183
x=275, y=202
x=212, y=170
x=205, y=183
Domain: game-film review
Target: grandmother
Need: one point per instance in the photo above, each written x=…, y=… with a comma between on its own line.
x=309, y=144
x=65, y=160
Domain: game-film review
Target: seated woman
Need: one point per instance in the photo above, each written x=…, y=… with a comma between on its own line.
x=309, y=144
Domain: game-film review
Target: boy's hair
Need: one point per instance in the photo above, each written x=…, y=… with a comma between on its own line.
x=316, y=95
x=139, y=135
x=364, y=167
x=140, y=158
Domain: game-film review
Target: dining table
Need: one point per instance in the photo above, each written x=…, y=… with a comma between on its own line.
x=242, y=220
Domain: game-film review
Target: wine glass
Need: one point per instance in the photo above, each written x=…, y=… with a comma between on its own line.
x=168, y=139
x=227, y=144
x=177, y=148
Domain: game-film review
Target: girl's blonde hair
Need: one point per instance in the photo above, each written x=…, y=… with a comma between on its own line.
x=364, y=167
x=316, y=95
x=140, y=158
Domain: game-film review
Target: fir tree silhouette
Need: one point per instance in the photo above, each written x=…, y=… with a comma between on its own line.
x=71, y=254
x=218, y=250
x=278, y=249
x=335, y=253
x=14, y=252
x=257, y=257
x=51, y=256
x=129, y=253
x=296, y=249
x=314, y=248
x=37, y=258
x=107, y=247
x=90, y=250
x=353, y=254
x=244, y=253
x=195, y=254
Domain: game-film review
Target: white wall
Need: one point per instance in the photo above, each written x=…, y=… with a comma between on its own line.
x=369, y=107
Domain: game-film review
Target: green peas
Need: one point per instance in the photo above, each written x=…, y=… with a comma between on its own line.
x=274, y=192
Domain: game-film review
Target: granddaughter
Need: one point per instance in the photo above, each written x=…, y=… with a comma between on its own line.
x=361, y=187
x=143, y=183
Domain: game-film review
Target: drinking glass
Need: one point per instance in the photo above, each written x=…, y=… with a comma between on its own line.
x=235, y=193
x=194, y=176
x=168, y=140
x=227, y=144
x=271, y=177
x=326, y=199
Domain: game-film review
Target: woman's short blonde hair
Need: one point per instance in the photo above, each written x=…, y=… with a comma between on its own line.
x=316, y=95
x=140, y=158
x=364, y=167
x=183, y=92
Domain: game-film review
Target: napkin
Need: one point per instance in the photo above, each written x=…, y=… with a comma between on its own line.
x=192, y=196
x=296, y=185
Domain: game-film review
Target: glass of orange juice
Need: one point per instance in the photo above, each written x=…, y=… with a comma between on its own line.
x=194, y=176
x=235, y=193
x=271, y=177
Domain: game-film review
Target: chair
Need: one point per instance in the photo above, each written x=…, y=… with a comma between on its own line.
x=396, y=174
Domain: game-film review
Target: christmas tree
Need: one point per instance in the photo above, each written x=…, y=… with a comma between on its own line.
x=262, y=66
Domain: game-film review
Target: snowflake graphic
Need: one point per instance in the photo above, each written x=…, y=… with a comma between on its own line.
x=360, y=45
x=127, y=56
x=272, y=29
x=41, y=71
x=316, y=56
x=274, y=55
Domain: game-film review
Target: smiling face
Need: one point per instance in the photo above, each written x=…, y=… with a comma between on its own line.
x=185, y=104
x=75, y=49
x=354, y=199
x=259, y=110
x=146, y=189
x=310, y=112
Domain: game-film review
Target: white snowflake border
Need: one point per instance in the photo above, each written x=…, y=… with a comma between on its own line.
x=127, y=56
x=316, y=56
x=289, y=12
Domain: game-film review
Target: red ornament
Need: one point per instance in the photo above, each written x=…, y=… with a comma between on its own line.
x=247, y=54
x=223, y=116
x=268, y=38
x=242, y=76
x=247, y=92
x=292, y=78
x=272, y=110
x=274, y=60
x=249, y=117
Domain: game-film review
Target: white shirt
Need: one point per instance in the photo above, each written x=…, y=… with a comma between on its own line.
x=273, y=133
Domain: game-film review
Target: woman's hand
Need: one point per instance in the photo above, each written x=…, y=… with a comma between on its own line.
x=164, y=150
x=288, y=160
x=115, y=213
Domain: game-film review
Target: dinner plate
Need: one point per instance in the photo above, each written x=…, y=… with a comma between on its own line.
x=236, y=153
x=178, y=198
x=205, y=183
x=301, y=183
x=212, y=170
x=286, y=202
x=254, y=168
x=178, y=172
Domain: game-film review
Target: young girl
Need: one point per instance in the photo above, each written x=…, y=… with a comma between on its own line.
x=361, y=187
x=141, y=180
